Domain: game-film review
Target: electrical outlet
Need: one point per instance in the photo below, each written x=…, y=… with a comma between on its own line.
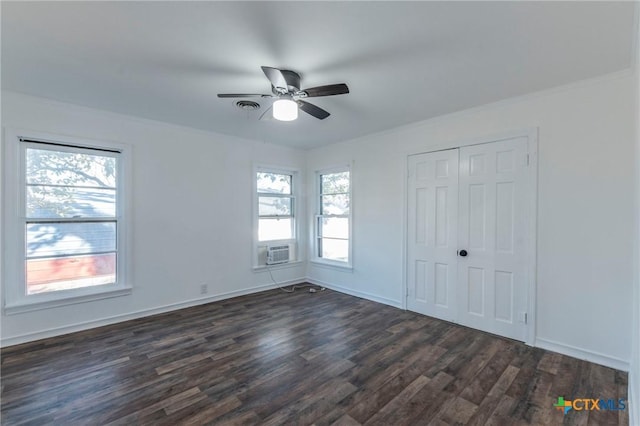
x=204, y=289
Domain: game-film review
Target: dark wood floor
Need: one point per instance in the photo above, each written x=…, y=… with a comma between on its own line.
x=275, y=358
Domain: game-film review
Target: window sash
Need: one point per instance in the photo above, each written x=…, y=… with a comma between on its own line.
x=61, y=256
x=60, y=294
x=80, y=251
x=321, y=247
x=266, y=233
x=70, y=219
x=319, y=238
x=52, y=185
x=333, y=172
x=334, y=193
x=290, y=183
x=261, y=218
x=275, y=216
x=16, y=145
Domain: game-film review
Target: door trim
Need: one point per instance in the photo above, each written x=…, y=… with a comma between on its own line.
x=531, y=220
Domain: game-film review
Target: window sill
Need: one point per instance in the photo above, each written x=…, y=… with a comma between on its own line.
x=278, y=266
x=29, y=306
x=332, y=265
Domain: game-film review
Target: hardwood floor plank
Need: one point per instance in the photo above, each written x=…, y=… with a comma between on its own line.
x=400, y=400
x=282, y=396
x=312, y=405
x=301, y=358
x=490, y=402
x=383, y=387
x=220, y=408
x=423, y=405
x=487, y=377
x=248, y=418
x=345, y=421
x=166, y=368
x=501, y=415
x=602, y=381
x=622, y=387
x=550, y=362
x=457, y=411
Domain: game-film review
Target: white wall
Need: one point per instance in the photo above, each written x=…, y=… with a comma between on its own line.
x=634, y=369
x=586, y=168
x=585, y=217
x=191, y=213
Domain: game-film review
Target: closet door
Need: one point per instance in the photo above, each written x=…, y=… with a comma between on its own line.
x=492, y=281
x=432, y=234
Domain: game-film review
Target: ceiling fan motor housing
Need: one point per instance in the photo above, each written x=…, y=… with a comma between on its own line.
x=293, y=81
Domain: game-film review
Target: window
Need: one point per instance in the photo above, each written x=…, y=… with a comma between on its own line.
x=69, y=228
x=333, y=223
x=276, y=206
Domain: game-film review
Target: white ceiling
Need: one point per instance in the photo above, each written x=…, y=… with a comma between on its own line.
x=403, y=61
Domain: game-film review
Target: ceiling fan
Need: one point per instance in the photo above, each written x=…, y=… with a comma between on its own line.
x=285, y=88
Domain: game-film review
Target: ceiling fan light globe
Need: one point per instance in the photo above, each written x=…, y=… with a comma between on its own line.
x=285, y=110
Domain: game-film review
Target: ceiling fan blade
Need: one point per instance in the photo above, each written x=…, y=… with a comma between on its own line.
x=267, y=114
x=241, y=95
x=328, y=90
x=311, y=109
x=276, y=78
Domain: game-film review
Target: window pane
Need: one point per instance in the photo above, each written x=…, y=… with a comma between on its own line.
x=45, y=201
x=63, y=256
x=65, y=273
x=335, y=204
x=334, y=227
x=274, y=183
x=335, y=182
x=334, y=249
x=274, y=206
x=60, y=239
x=275, y=229
x=70, y=168
x=59, y=185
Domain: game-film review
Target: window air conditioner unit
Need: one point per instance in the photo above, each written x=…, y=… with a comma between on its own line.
x=277, y=254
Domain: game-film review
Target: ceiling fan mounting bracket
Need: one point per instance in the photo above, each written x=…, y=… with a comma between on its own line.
x=292, y=79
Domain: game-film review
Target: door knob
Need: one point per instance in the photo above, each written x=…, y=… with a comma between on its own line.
x=463, y=253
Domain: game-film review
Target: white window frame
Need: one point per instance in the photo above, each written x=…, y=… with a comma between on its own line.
x=16, y=299
x=315, y=258
x=296, y=185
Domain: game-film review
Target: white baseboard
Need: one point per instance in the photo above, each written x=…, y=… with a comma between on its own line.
x=562, y=348
x=356, y=293
x=57, y=331
x=587, y=355
x=598, y=358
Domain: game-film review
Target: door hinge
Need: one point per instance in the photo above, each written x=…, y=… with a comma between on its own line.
x=527, y=159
